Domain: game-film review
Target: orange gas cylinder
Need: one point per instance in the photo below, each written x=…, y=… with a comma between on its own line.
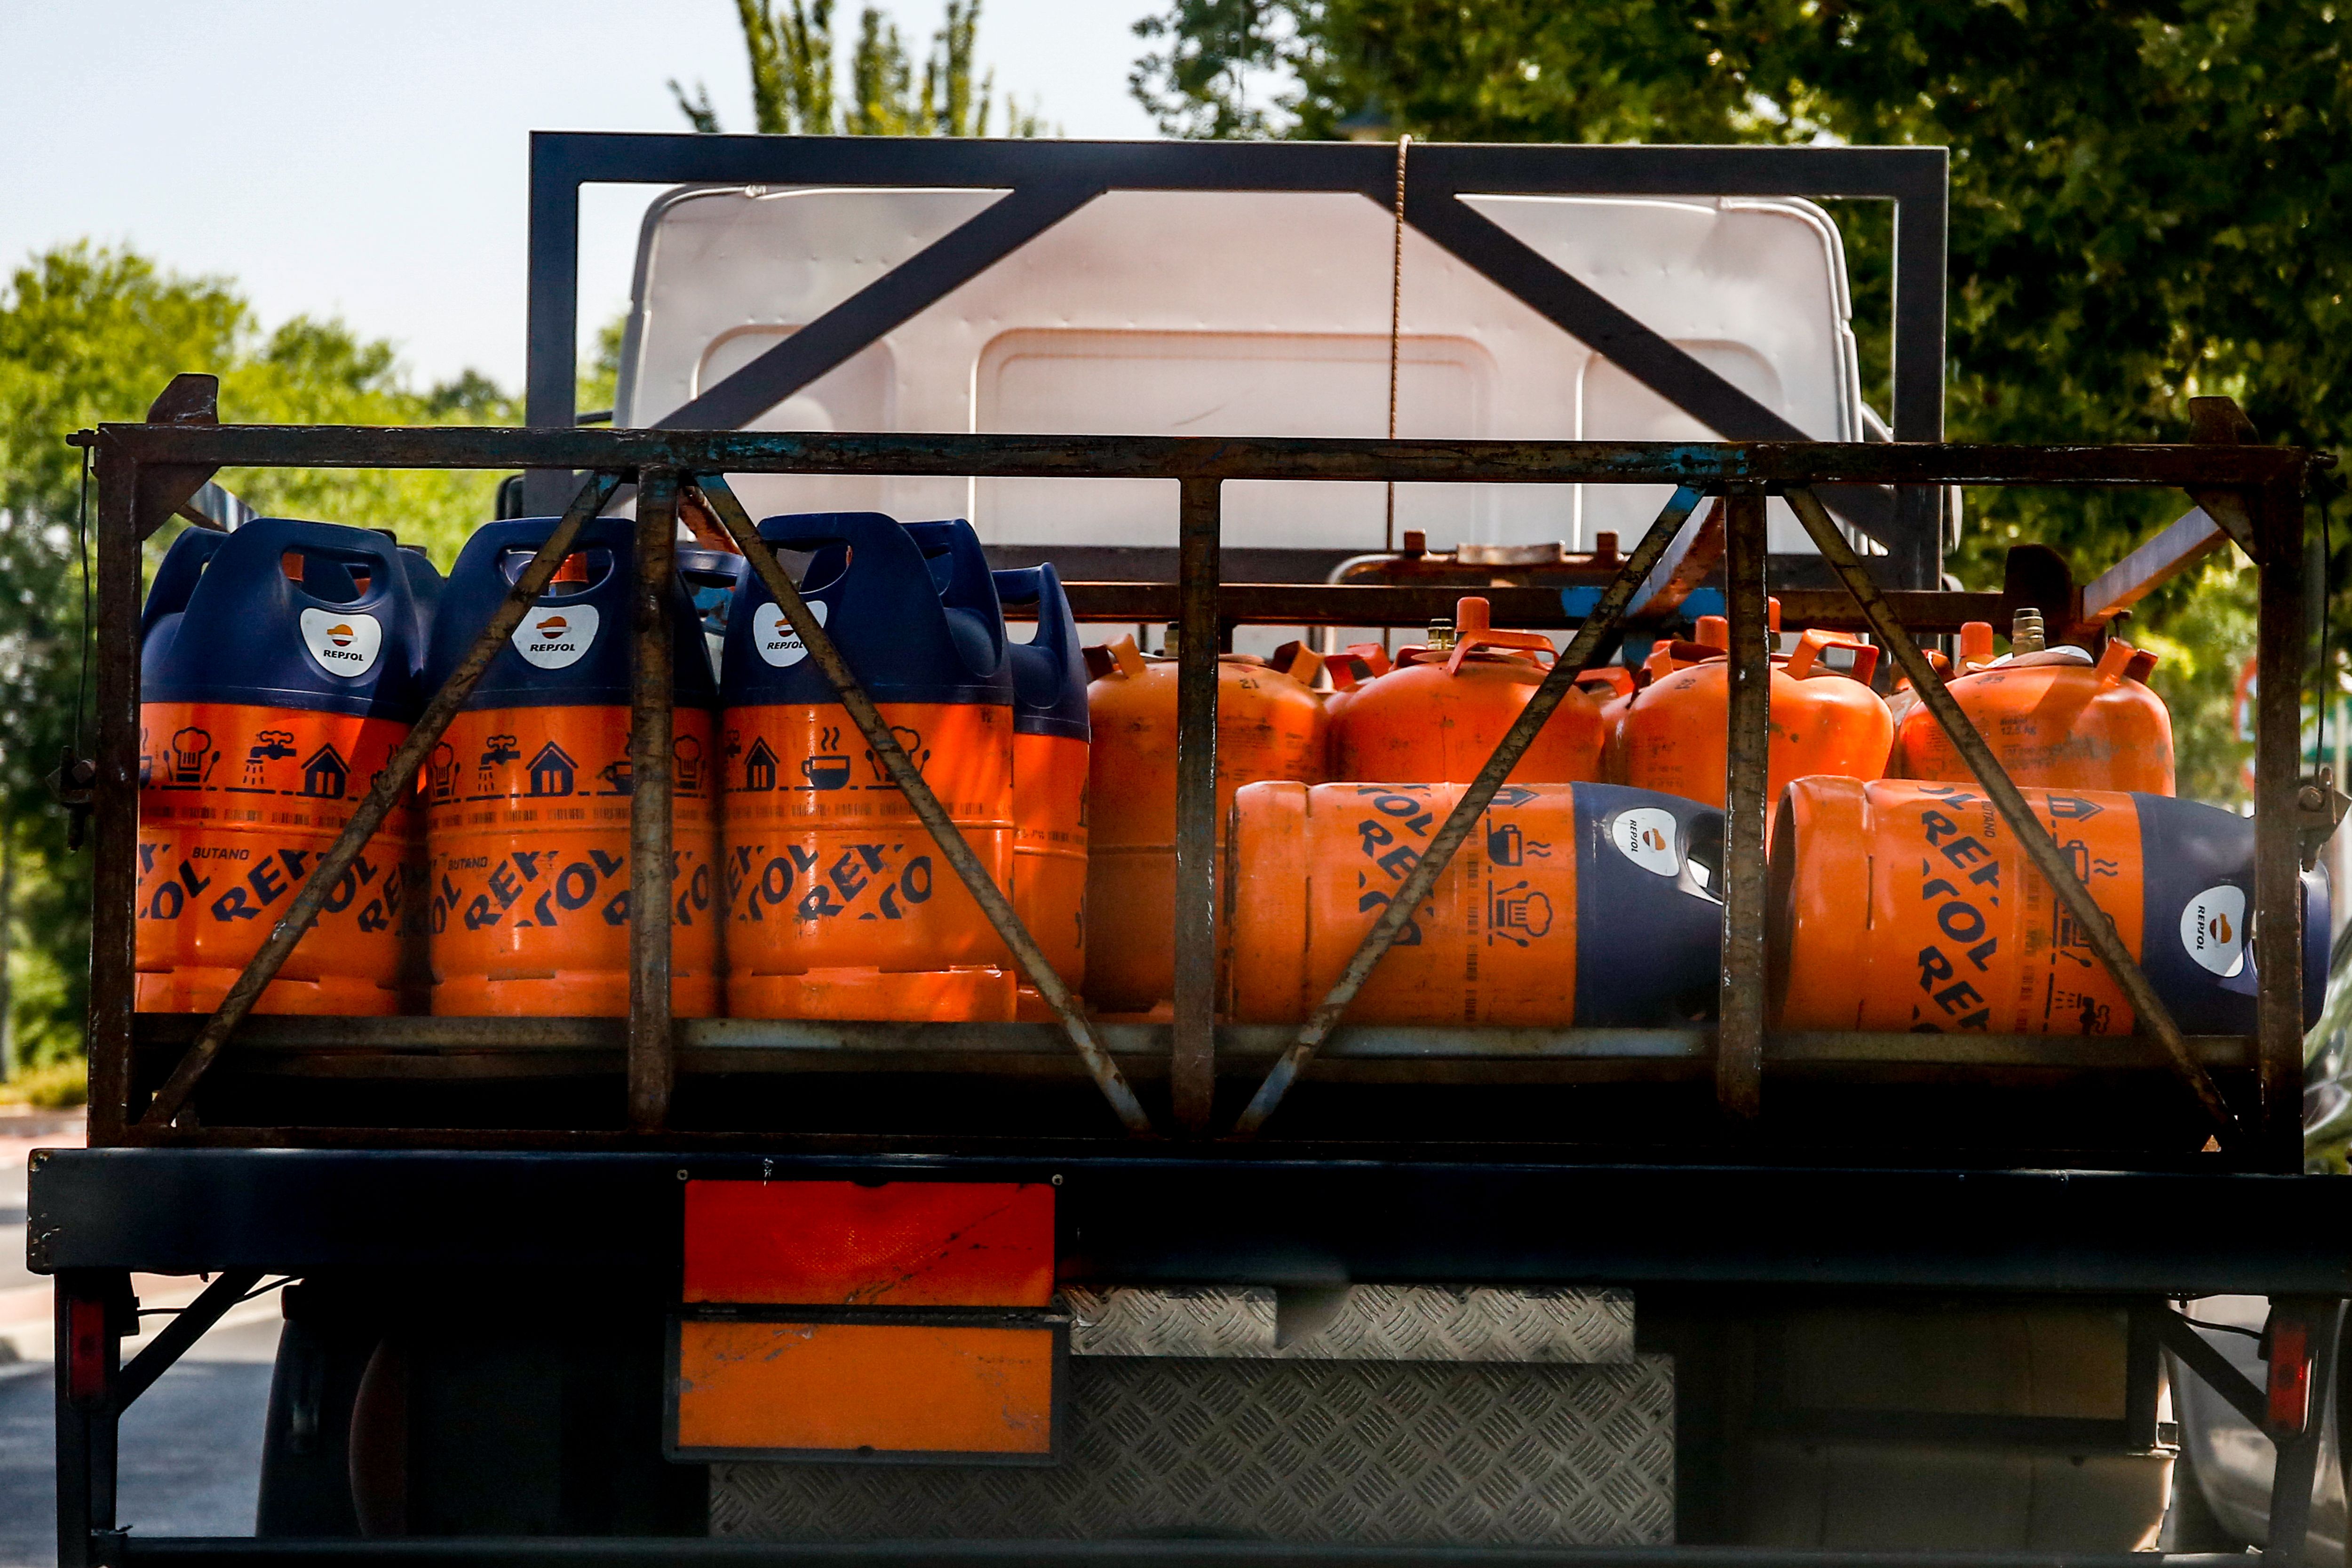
x=1910, y=906
x=839, y=905
x=278, y=673
x=527, y=795
x=1050, y=736
x=2053, y=719
x=1976, y=652
x=1437, y=717
x=1568, y=904
x=1351, y=672
x=1613, y=686
x=1269, y=726
x=1824, y=722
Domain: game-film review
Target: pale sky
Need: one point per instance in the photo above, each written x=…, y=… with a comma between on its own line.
x=368, y=161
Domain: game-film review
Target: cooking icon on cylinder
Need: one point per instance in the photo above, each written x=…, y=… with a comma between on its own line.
x=183, y=763
x=1519, y=914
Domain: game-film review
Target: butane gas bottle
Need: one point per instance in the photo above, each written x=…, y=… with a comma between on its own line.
x=1438, y=716
x=527, y=796
x=1050, y=762
x=2054, y=718
x=1824, y=721
x=1269, y=726
x=839, y=904
x=711, y=578
x=1568, y=904
x=1351, y=672
x=1903, y=905
x=1975, y=653
x=277, y=675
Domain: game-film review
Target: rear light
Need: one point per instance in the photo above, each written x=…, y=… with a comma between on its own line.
x=898, y=1243
x=2290, y=1381
x=86, y=1351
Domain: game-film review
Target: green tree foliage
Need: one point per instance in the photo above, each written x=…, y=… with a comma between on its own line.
x=89, y=335
x=2150, y=202
x=791, y=53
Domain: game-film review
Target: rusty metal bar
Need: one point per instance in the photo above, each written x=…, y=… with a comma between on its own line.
x=2153, y=1018
x=958, y=455
x=113, y=950
x=652, y=697
x=1534, y=609
x=2191, y=537
x=2279, y=646
x=1193, y=1069
x=1739, y=1038
x=398, y=777
x=723, y=504
x=1598, y=627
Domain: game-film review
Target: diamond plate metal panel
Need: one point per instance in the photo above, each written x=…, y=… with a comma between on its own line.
x=1358, y=1323
x=1326, y=1451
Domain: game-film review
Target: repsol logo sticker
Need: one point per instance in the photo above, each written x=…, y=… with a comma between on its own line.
x=774, y=638
x=1646, y=836
x=556, y=637
x=342, y=644
x=2213, y=929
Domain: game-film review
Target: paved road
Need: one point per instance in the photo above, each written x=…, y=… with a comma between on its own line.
x=191, y=1446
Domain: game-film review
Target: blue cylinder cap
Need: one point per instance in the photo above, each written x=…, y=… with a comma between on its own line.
x=225, y=623
x=911, y=631
x=572, y=647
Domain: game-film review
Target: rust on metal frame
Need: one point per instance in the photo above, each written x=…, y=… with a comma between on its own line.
x=723, y=504
x=1740, y=1031
x=2280, y=648
x=1192, y=1065
x=2153, y=1017
x=1556, y=685
x=652, y=698
x=1709, y=465
x=398, y=776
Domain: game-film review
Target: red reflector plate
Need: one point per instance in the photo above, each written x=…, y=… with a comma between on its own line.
x=901, y=1244
x=862, y=1390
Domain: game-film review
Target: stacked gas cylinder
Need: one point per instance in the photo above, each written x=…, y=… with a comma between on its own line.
x=283, y=665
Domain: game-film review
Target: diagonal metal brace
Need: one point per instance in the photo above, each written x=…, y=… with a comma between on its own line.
x=397, y=779
x=1599, y=628
x=186, y=1327
x=2214, y=1367
x=2153, y=1018
x=723, y=504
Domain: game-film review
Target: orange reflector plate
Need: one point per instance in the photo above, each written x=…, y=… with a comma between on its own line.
x=839, y=1391
x=900, y=1244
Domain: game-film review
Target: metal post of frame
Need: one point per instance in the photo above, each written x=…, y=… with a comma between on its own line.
x=652, y=698
x=2281, y=644
x=1740, y=1034
x=113, y=953
x=1193, y=1064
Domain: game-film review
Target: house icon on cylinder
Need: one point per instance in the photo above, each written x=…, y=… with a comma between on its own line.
x=326, y=774
x=760, y=767
x=551, y=770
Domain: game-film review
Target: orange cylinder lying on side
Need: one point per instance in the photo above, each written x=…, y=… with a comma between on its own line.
x=527, y=795
x=1438, y=716
x=1823, y=721
x=2054, y=719
x=1568, y=904
x=1911, y=906
x=1269, y=726
x=279, y=674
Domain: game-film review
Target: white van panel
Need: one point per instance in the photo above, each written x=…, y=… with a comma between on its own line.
x=1221, y=313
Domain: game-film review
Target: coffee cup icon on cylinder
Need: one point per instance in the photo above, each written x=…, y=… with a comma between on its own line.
x=827, y=770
